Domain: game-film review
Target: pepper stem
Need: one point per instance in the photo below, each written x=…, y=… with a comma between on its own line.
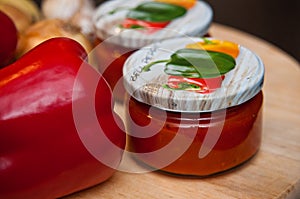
x=148, y=66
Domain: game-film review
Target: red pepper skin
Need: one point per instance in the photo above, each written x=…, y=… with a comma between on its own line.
x=41, y=154
x=207, y=85
x=147, y=25
x=8, y=39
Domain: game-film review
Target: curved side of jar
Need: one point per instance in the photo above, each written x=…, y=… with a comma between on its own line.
x=110, y=59
x=238, y=141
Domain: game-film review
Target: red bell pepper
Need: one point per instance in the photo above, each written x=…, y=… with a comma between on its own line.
x=198, y=85
x=42, y=154
x=8, y=39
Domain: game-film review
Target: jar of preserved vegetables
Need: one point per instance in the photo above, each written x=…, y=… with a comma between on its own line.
x=194, y=105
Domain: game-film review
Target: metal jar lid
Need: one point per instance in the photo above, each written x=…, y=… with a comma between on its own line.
x=151, y=86
x=110, y=16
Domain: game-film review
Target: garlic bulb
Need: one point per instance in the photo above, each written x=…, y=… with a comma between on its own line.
x=29, y=7
x=49, y=28
x=77, y=12
x=20, y=19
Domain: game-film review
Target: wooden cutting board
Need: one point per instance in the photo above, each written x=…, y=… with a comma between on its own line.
x=274, y=173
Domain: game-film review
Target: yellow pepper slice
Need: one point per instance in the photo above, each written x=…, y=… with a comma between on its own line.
x=184, y=3
x=226, y=47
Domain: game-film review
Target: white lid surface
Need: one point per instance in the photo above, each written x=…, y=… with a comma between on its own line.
x=239, y=85
x=194, y=23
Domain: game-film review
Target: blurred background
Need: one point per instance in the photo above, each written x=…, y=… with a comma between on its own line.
x=275, y=21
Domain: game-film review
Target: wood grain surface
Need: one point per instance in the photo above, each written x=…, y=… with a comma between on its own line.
x=274, y=173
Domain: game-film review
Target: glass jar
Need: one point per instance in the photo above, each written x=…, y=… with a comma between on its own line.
x=121, y=30
x=196, y=129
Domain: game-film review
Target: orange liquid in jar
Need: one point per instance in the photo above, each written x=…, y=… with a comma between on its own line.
x=110, y=59
x=239, y=140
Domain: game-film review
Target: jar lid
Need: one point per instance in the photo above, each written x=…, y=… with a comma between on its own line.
x=193, y=74
x=137, y=23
